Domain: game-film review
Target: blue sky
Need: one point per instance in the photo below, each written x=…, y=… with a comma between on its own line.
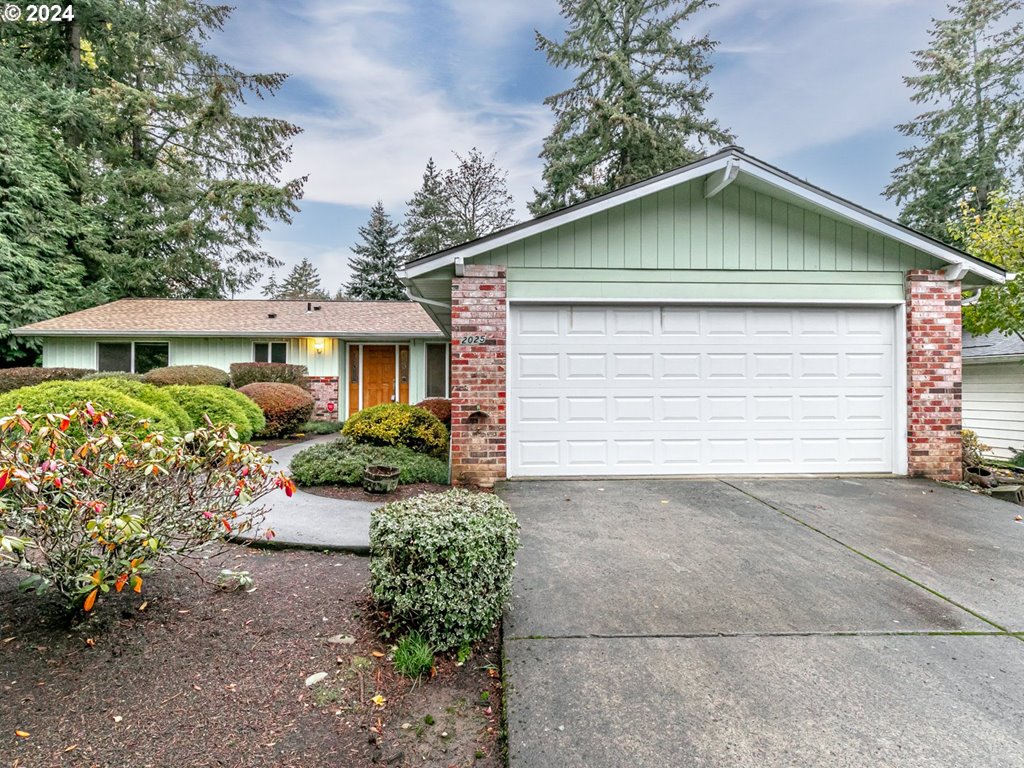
x=814, y=86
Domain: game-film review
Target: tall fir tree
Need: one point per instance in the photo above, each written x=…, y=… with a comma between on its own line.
x=970, y=142
x=476, y=197
x=637, y=106
x=425, y=230
x=303, y=282
x=376, y=260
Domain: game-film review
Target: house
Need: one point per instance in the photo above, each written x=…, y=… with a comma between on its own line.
x=358, y=353
x=722, y=318
x=994, y=391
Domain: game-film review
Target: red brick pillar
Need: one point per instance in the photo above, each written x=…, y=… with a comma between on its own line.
x=478, y=376
x=325, y=394
x=933, y=376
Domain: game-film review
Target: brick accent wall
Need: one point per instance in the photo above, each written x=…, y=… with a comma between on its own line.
x=478, y=376
x=324, y=390
x=933, y=376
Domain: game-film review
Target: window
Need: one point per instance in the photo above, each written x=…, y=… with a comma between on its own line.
x=270, y=352
x=131, y=357
x=437, y=370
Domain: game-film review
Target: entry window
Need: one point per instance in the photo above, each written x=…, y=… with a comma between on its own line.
x=437, y=370
x=131, y=357
x=270, y=352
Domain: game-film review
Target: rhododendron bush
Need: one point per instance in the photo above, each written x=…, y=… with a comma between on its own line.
x=90, y=501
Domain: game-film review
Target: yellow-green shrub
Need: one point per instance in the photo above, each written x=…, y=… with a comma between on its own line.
x=63, y=395
x=399, y=424
x=222, y=405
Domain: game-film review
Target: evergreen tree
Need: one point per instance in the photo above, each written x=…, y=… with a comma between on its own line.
x=303, y=282
x=376, y=260
x=425, y=230
x=637, y=106
x=970, y=141
x=476, y=198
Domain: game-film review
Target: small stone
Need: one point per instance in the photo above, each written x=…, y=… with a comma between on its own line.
x=118, y=718
x=406, y=726
x=341, y=640
x=561, y=727
x=444, y=734
x=314, y=679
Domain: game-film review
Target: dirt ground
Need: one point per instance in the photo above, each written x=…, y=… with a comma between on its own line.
x=189, y=675
x=356, y=493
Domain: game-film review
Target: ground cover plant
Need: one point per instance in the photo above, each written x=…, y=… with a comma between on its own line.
x=341, y=462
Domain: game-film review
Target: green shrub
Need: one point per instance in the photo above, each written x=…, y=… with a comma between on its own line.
x=194, y=375
x=342, y=462
x=16, y=378
x=399, y=424
x=243, y=374
x=440, y=407
x=285, y=407
x=973, y=448
x=101, y=375
x=222, y=405
x=320, y=428
x=62, y=395
x=152, y=395
x=441, y=564
x=413, y=656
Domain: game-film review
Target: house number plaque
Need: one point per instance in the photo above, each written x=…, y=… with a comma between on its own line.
x=473, y=340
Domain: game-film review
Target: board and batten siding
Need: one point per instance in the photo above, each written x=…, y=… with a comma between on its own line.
x=993, y=405
x=677, y=244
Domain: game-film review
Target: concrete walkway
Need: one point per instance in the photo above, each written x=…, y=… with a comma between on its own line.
x=765, y=623
x=308, y=521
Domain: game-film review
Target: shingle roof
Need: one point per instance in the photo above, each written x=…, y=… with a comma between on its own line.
x=241, y=317
x=992, y=345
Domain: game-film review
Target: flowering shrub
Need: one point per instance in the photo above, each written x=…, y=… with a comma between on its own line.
x=440, y=407
x=15, y=378
x=398, y=424
x=223, y=406
x=89, y=501
x=442, y=563
x=342, y=462
x=187, y=374
x=286, y=407
x=280, y=373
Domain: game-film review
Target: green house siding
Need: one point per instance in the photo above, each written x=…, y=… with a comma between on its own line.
x=678, y=244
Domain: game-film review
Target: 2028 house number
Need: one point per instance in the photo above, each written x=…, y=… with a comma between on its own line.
x=473, y=340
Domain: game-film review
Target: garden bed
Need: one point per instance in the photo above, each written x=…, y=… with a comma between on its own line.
x=210, y=678
x=356, y=493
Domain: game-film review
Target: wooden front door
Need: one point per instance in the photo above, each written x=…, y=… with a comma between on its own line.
x=378, y=375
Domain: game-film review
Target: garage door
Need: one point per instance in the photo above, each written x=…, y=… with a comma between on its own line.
x=639, y=390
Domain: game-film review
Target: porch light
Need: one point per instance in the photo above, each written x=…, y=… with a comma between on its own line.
x=318, y=346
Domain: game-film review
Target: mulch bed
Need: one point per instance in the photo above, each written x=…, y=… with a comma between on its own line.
x=204, y=677
x=356, y=492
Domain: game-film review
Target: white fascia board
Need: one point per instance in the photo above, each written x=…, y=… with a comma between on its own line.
x=570, y=215
x=218, y=334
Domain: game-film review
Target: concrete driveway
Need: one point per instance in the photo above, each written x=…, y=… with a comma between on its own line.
x=790, y=622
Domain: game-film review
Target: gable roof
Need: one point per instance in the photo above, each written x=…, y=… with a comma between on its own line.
x=241, y=317
x=731, y=162
x=992, y=347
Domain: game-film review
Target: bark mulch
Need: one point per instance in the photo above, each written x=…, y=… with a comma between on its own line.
x=196, y=676
x=356, y=492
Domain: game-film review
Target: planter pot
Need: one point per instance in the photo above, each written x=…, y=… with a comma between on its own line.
x=981, y=476
x=380, y=479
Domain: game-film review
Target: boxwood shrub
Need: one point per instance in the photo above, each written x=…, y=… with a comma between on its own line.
x=440, y=407
x=157, y=397
x=103, y=375
x=16, y=378
x=342, y=462
x=399, y=424
x=187, y=374
x=442, y=563
x=285, y=407
x=243, y=374
x=222, y=405
x=56, y=396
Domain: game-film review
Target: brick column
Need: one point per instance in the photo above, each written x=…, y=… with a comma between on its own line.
x=478, y=376
x=324, y=390
x=933, y=376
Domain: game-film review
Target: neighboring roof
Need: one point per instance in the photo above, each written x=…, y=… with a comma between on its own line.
x=731, y=161
x=241, y=317
x=992, y=347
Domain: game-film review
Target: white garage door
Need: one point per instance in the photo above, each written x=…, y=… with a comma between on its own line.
x=636, y=390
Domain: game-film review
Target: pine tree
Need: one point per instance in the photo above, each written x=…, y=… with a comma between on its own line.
x=476, y=198
x=426, y=228
x=376, y=260
x=971, y=140
x=303, y=282
x=637, y=106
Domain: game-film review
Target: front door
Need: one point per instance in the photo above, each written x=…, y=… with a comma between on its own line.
x=378, y=375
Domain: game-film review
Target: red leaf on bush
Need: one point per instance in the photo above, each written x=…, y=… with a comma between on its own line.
x=64, y=424
x=5, y=477
x=227, y=525
x=90, y=600
x=121, y=581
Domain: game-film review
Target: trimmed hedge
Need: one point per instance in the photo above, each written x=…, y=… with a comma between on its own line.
x=28, y=376
x=243, y=374
x=152, y=395
x=195, y=375
x=320, y=427
x=442, y=563
x=62, y=395
x=285, y=407
x=101, y=375
x=440, y=407
x=222, y=405
x=399, y=424
x=342, y=463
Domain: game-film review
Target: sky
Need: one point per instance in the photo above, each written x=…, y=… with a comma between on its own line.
x=379, y=86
